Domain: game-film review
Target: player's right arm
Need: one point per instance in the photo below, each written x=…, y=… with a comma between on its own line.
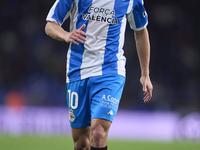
x=55, y=31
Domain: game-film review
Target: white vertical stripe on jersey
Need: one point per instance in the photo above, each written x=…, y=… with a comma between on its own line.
x=122, y=71
x=95, y=44
x=130, y=6
x=132, y=21
x=67, y=63
x=73, y=15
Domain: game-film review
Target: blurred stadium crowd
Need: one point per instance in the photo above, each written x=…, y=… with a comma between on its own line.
x=32, y=65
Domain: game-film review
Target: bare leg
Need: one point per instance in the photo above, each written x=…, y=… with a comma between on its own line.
x=81, y=137
x=99, y=132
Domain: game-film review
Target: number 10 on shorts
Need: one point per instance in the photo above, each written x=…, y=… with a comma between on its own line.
x=73, y=99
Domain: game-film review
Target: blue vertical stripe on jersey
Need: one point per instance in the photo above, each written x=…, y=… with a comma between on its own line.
x=61, y=10
x=113, y=36
x=77, y=50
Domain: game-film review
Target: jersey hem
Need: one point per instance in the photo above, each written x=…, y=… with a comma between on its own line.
x=84, y=77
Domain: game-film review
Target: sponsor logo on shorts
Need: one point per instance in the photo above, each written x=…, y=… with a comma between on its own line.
x=110, y=99
x=71, y=115
x=109, y=102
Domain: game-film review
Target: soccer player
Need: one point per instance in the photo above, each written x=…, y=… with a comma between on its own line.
x=95, y=65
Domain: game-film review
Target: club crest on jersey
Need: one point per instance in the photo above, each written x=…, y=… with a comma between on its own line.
x=71, y=115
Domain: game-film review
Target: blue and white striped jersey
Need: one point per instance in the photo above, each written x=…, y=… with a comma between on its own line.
x=105, y=21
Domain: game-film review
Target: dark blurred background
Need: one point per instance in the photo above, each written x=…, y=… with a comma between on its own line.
x=32, y=65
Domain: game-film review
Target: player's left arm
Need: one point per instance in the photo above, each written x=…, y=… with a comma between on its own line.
x=143, y=50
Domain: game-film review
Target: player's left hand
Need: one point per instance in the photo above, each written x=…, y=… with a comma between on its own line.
x=77, y=36
x=147, y=88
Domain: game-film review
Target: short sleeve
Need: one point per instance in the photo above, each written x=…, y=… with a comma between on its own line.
x=137, y=18
x=60, y=11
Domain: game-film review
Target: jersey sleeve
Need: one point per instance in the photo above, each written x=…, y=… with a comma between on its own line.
x=60, y=11
x=137, y=18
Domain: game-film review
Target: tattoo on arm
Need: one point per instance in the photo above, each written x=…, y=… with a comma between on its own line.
x=58, y=38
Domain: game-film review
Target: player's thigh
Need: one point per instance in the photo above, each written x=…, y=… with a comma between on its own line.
x=78, y=104
x=106, y=95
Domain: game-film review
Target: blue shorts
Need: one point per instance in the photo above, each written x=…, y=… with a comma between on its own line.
x=94, y=97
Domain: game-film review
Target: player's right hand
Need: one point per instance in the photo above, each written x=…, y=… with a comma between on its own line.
x=77, y=36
